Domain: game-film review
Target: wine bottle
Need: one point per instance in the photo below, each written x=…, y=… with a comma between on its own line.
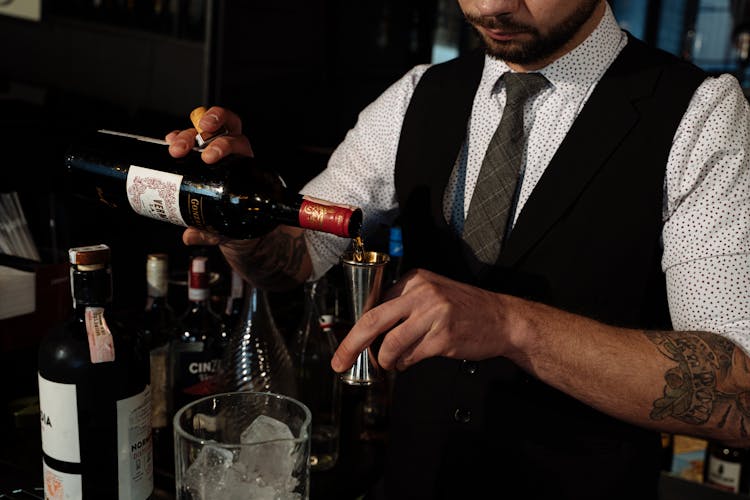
x=727, y=468
x=236, y=197
x=257, y=358
x=199, y=342
x=158, y=327
x=94, y=397
x=319, y=386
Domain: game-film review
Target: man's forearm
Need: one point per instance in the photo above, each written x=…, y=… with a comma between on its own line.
x=687, y=382
x=276, y=261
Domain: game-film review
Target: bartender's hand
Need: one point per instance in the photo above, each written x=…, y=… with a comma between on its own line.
x=182, y=141
x=278, y=260
x=426, y=315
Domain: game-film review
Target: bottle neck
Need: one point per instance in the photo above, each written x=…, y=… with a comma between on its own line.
x=91, y=289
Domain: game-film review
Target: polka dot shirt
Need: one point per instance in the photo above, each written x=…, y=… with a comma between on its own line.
x=706, y=212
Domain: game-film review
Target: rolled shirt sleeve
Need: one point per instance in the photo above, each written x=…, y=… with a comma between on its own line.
x=706, y=232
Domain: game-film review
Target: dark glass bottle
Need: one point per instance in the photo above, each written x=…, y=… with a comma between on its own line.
x=94, y=396
x=257, y=358
x=158, y=327
x=319, y=386
x=199, y=342
x=235, y=197
x=727, y=468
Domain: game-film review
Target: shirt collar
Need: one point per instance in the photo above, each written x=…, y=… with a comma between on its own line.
x=580, y=68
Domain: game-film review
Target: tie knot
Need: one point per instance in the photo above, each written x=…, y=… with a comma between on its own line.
x=521, y=86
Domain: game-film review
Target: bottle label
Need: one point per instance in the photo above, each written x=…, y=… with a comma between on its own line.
x=723, y=474
x=155, y=194
x=58, y=413
x=101, y=344
x=197, y=372
x=135, y=464
x=323, y=216
x=59, y=485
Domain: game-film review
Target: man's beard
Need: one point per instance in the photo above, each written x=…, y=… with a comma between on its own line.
x=539, y=47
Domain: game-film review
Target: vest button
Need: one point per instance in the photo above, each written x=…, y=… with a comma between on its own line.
x=469, y=367
x=462, y=415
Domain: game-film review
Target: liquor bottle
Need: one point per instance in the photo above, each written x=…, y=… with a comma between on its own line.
x=257, y=358
x=236, y=197
x=94, y=397
x=233, y=307
x=199, y=341
x=158, y=327
x=319, y=386
x=727, y=468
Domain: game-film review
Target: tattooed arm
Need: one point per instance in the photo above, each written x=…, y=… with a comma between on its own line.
x=276, y=261
x=709, y=384
x=694, y=383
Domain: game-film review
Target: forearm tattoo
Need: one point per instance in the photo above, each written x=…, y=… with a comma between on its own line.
x=282, y=255
x=707, y=384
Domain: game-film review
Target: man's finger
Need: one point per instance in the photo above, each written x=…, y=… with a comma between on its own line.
x=370, y=325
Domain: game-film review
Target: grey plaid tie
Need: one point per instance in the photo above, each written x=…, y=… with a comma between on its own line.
x=486, y=221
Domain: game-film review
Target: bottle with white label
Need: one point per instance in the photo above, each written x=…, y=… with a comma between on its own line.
x=199, y=341
x=727, y=468
x=236, y=197
x=94, y=395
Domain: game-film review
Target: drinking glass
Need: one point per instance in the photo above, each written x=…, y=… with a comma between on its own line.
x=243, y=445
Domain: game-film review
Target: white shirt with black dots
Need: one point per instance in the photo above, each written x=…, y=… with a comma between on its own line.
x=706, y=213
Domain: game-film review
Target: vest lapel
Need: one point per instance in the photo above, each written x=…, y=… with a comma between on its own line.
x=605, y=121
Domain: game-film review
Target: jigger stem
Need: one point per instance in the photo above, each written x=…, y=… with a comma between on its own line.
x=364, y=280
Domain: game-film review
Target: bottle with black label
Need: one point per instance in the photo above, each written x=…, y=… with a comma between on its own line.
x=727, y=468
x=236, y=197
x=199, y=342
x=94, y=395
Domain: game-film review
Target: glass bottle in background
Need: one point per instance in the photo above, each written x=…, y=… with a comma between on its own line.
x=319, y=386
x=256, y=357
x=233, y=307
x=158, y=328
x=94, y=396
x=396, y=255
x=727, y=468
x=198, y=343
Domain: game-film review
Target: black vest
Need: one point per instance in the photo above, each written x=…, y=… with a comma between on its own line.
x=586, y=241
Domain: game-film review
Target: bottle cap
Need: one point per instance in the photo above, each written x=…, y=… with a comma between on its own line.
x=204, y=138
x=91, y=257
x=341, y=220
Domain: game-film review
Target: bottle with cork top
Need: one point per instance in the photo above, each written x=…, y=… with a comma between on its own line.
x=94, y=395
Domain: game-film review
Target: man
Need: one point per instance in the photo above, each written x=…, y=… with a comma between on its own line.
x=613, y=300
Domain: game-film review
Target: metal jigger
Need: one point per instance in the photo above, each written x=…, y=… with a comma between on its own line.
x=364, y=280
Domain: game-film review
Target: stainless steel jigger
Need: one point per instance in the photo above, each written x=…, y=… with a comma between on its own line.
x=364, y=280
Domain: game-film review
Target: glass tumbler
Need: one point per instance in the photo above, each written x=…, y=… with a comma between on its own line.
x=242, y=445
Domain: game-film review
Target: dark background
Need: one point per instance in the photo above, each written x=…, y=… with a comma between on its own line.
x=296, y=71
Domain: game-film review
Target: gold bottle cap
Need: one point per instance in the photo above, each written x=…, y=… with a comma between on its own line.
x=203, y=138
